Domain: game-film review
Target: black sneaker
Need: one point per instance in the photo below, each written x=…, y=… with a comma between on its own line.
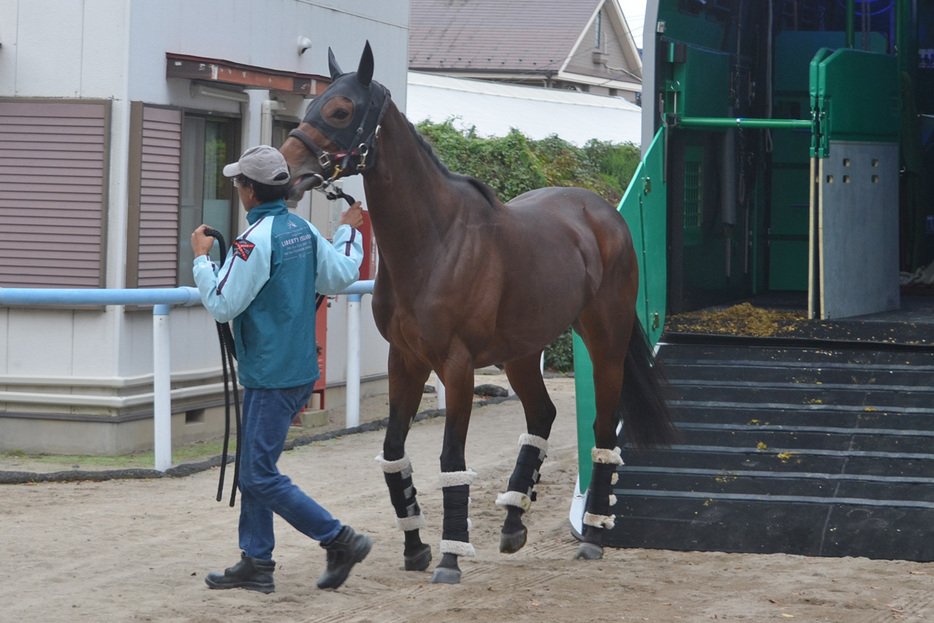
x=344, y=552
x=252, y=574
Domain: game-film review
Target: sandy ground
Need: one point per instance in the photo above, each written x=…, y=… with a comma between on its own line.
x=138, y=550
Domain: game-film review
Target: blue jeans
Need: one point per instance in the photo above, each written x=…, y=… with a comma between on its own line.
x=267, y=415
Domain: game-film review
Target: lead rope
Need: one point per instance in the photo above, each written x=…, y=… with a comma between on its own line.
x=332, y=193
x=228, y=354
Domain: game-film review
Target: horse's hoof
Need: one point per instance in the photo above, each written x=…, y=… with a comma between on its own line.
x=446, y=575
x=514, y=541
x=420, y=560
x=588, y=551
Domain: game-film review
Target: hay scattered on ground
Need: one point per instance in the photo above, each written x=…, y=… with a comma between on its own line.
x=742, y=319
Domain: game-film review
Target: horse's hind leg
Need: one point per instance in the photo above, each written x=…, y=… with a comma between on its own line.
x=406, y=385
x=607, y=343
x=526, y=380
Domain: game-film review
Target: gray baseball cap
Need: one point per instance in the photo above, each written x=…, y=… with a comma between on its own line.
x=263, y=164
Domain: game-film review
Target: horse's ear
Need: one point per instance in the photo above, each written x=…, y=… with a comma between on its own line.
x=334, y=68
x=365, y=70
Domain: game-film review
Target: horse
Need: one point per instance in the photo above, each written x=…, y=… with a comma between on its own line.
x=465, y=281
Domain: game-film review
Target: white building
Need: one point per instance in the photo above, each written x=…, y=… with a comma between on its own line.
x=116, y=117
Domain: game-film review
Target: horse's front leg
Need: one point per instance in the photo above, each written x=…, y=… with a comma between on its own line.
x=455, y=477
x=526, y=380
x=406, y=386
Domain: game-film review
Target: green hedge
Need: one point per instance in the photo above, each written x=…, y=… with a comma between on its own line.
x=514, y=164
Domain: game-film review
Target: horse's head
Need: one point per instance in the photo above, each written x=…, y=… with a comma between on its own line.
x=337, y=137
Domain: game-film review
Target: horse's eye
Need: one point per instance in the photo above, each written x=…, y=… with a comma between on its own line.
x=338, y=111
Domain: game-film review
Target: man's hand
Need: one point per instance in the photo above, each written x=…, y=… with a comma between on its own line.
x=200, y=243
x=353, y=216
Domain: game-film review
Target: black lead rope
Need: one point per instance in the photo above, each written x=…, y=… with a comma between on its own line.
x=333, y=194
x=228, y=354
x=337, y=193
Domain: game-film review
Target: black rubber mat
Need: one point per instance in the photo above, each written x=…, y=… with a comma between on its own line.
x=817, y=440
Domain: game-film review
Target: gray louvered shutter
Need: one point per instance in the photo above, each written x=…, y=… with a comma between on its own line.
x=152, y=235
x=53, y=192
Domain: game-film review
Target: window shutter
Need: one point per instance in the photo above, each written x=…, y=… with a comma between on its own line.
x=154, y=179
x=53, y=192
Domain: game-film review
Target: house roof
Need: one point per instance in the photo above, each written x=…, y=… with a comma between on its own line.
x=534, y=36
x=493, y=108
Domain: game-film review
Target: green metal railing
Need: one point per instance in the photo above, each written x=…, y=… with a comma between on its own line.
x=742, y=122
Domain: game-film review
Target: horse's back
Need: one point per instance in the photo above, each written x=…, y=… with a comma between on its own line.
x=569, y=204
x=563, y=247
x=559, y=213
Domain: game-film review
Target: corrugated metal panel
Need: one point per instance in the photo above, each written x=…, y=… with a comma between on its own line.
x=53, y=164
x=159, y=181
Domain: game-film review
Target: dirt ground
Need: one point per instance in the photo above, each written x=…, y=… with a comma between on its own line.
x=138, y=550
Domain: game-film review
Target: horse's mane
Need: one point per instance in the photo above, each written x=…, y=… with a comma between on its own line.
x=482, y=188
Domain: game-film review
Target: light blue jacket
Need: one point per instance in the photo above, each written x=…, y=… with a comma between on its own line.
x=267, y=287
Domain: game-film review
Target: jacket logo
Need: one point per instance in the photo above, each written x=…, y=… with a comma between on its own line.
x=243, y=249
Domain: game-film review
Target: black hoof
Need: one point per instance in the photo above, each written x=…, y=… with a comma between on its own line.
x=446, y=575
x=588, y=551
x=420, y=560
x=514, y=541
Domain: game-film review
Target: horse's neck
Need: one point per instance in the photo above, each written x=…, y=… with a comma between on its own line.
x=411, y=200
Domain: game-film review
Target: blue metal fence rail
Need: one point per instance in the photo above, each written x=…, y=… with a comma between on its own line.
x=162, y=300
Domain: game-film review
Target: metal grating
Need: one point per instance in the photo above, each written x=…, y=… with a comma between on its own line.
x=693, y=197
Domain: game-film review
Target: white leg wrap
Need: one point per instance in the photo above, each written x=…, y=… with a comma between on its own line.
x=602, y=455
x=403, y=466
x=458, y=548
x=605, y=457
x=614, y=478
x=525, y=439
x=394, y=467
x=514, y=498
x=415, y=522
x=455, y=479
x=600, y=521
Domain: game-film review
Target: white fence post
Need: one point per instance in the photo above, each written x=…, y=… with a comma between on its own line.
x=161, y=388
x=353, y=360
x=439, y=392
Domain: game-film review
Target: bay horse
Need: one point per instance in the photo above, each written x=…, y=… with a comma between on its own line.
x=465, y=282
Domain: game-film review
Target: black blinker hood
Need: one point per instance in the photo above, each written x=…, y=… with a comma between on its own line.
x=367, y=97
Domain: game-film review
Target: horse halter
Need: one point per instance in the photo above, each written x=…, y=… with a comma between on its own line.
x=357, y=141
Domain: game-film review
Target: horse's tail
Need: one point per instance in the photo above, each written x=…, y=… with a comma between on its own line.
x=646, y=418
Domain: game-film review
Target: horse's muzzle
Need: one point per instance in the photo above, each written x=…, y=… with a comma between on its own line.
x=304, y=182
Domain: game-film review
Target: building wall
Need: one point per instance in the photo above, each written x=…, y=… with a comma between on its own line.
x=615, y=66
x=68, y=364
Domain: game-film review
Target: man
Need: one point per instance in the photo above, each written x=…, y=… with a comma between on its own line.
x=267, y=287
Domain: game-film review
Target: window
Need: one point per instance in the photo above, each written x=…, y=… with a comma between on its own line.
x=208, y=143
x=597, y=42
x=280, y=131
